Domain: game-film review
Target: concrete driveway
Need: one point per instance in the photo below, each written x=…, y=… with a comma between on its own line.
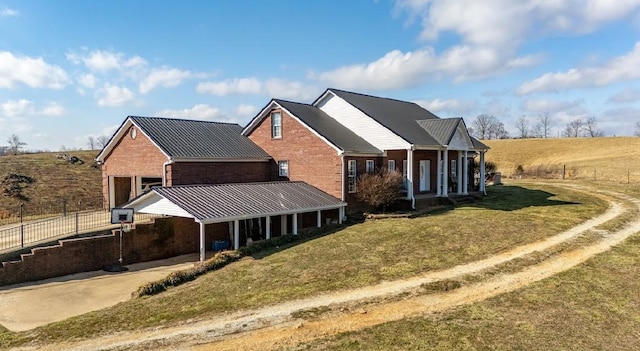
x=30, y=305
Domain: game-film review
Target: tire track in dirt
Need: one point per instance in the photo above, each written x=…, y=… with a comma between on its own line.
x=273, y=326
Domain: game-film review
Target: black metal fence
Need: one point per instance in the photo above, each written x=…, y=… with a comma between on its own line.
x=29, y=226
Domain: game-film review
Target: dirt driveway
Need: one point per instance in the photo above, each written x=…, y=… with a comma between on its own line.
x=30, y=305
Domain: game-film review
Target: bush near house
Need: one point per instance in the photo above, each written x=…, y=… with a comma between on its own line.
x=379, y=189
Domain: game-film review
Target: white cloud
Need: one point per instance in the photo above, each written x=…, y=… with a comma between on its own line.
x=17, y=108
x=544, y=106
x=451, y=106
x=286, y=89
x=618, y=69
x=33, y=72
x=246, y=110
x=113, y=95
x=249, y=85
x=625, y=96
x=7, y=12
x=166, y=77
x=88, y=80
x=104, y=61
x=199, y=111
x=53, y=109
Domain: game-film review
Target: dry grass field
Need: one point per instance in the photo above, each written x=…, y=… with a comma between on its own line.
x=56, y=180
x=615, y=159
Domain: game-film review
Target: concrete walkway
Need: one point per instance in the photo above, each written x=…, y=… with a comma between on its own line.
x=30, y=305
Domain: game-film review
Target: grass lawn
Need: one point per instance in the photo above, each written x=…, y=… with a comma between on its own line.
x=359, y=255
x=591, y=307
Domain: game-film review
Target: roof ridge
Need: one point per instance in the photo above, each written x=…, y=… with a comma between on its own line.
x=377, y=97
x=292, y=102
x=181, y=119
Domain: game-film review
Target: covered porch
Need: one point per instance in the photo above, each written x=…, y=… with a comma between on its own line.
x=258, y=210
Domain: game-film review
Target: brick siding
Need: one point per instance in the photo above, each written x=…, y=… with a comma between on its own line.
x=310, y=158
x=185, y=173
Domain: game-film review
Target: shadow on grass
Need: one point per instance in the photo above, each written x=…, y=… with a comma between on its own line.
x=512, y=198
x=272, y=246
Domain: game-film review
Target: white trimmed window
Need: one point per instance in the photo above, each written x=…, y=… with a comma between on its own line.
x=391, y=165
x=454, y=168
x=276, y=125
x=352, y=174
x=371, y=166
x=283, y=168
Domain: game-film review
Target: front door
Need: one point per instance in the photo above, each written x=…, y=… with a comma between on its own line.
x=425, y=178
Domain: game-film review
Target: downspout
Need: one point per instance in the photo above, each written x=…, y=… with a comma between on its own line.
x=342, y=176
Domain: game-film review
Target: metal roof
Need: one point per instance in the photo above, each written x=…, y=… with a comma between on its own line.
x=329, y=128
x=441, y=130
x=191, y=139
x=397, y=115
x=227, y=202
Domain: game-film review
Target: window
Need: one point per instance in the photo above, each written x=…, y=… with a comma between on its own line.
x=370, y=166
x=352, y=172
x=283, y=168
x=454, y=168
x=276, y=125
x=391, y=165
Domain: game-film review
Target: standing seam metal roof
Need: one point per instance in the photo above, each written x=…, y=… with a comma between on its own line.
x=399, y=116
x=191, y=139
x=328, y=127
x=440, y=129
x=209, y=203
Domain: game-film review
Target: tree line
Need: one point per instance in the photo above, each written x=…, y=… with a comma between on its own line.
x=487, y=127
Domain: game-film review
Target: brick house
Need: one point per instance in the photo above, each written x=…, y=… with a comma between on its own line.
x=342, y=134
x=146, y=152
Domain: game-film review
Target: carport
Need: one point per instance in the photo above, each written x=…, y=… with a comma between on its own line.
x=208, y=204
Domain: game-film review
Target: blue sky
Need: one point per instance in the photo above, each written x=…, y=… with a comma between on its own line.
x=74, y=69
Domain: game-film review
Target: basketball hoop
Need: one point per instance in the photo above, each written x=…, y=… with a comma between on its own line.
x=124, y=216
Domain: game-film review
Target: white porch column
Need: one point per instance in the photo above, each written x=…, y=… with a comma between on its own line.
x=295, y=223
x=319, y=221
x=340, y=214
x=445, y=174
x=459, y=173
x=236, y=234
x=465, y=171
x=410, y=178
x=283, y=224
x=482, y=175
x=268, y=227
x=439, y=174
x=202, y=244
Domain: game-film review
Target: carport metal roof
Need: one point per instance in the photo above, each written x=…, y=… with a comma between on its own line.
x=228, y=202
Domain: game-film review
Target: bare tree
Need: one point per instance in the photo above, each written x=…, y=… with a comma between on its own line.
x=15, y=143
x=102, y=141
x=637, y=132
x=91, y=142
x=486, y=127
x=592, y=129
x=544, y=125
x=573, y=128
x=522, y=125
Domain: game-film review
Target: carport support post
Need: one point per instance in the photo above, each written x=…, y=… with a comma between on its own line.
x=236, y=234
x=202, y=242
x=319, y=221
x=268, y=227
x=295, y=223
x=340, y=214
x=283, y=224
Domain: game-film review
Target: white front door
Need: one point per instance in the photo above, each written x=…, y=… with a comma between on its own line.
x=425, y=178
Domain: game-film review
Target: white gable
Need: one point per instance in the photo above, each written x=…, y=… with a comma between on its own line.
x=361, y=124
x=460, y=140
x=153, y=203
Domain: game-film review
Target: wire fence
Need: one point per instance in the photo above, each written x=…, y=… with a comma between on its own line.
x=27, y=232
x=621, y=174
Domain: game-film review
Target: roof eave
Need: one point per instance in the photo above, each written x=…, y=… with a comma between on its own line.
x=275, y=213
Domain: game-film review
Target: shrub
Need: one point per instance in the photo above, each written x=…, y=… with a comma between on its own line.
x=379, y=189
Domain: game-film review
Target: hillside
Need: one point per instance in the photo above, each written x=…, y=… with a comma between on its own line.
x=611, y=158
x=55, y=180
